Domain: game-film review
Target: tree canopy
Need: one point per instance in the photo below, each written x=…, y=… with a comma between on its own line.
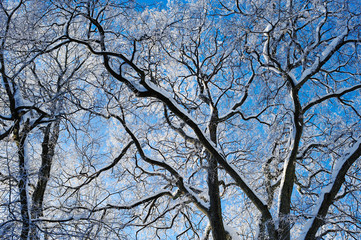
x=197, y=119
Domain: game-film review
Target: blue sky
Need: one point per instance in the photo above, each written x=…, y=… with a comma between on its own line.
x=151, y=3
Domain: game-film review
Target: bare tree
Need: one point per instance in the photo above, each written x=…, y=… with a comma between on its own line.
x=260, y=77
x=195, y=120
x=31, y=110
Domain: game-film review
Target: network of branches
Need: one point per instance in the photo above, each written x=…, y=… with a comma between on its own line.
x=180, y=119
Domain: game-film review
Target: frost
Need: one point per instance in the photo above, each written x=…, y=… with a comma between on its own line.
x=251, y=189
x=77, y=217
x=137, y=86
x=266, y=44
x=179, y=108
x=293, y=78
x=336, y=169
x=19, y=100
x=231, y=231
x=187, y=44
x=198, y=199
x=324, y=55
x=26, y=166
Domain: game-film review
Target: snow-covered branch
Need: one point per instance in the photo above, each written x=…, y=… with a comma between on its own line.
x=329, y=192
x=321, y=60
x=336, y=94
x=179, y=179
x=176, y=109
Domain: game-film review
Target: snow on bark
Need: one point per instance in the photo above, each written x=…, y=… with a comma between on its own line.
x=265, y=52
x=211, y=147
x=339, y=170
x=196, y=197
x=231, y=231
x=325, y=55
x=19, y=99
x=27, y=165
x=170, y=98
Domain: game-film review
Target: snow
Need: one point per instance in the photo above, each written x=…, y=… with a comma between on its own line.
x=293, y=78
x=310, y=70
x=182, y=110
x=26, y=166
x=18, y=97
x=231, y=231
x=77, y=217
x=325, y=54
x=240, y=175
x=265, y=46
x=205, y=233
x=285, y=166
x=336, y=169
x=267, y=29
x=137, y=86
x=330, y=48
x=175, y=104
x=19, y=100
x=175, y=193
x=198, y=199
x=290, y=143
x=167, y=95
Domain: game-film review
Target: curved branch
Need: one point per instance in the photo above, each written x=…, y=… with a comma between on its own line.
x=110, y=166
x=154, y=91
x=210, y=146
x=180, y=131
x=137, y=203
x=331, y=95
x=328, y=194
x=183, y=188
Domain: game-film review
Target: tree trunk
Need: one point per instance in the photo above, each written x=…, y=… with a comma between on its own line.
x=290, y=172
x=20, y=139
x=215, y=208
x=48, y=147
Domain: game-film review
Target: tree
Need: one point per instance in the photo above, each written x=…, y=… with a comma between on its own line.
x=35, y=72
x=222, y=120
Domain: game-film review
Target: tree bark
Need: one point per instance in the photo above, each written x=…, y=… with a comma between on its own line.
x=289, y=172
x=215, y=208
x=48, y=147
x=20, y=139
x=329, y=197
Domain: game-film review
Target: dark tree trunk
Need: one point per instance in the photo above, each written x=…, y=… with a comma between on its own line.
x=48, y=148
x=20, y=139
x=215, y=207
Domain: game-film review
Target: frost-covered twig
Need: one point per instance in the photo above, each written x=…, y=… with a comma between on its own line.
x=329, y=192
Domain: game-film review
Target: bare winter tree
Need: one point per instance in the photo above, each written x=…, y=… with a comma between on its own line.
x=20, y=118
x=35, y=71
x=189, y=120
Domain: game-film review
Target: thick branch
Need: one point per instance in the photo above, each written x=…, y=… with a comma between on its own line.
x=153, y=91
x=137, y=203
x=328, y=193
x=186, y=190
x=339, y=93
x=173, y=106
